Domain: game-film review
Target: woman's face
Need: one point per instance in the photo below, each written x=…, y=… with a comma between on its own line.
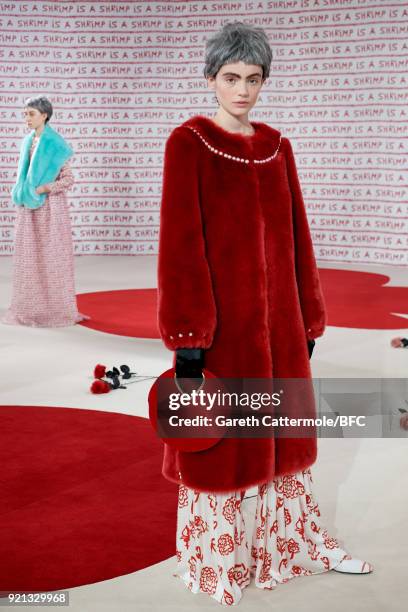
x=33, y=118
x=237, y=87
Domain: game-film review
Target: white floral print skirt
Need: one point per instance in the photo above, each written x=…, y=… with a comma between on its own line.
x=288, y=539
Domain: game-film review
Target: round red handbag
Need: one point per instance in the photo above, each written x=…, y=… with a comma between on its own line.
x=188, y=427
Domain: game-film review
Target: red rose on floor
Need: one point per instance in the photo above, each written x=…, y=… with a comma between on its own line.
x=100, y=386
x=99, y=371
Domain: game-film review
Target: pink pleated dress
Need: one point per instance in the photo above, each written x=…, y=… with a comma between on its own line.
x=43, y=293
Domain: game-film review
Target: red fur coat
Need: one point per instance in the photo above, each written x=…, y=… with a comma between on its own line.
x=237, y=276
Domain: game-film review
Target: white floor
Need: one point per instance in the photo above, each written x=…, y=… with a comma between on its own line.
x=361, y=485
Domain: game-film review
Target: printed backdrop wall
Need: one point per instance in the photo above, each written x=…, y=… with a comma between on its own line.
x=122, y=74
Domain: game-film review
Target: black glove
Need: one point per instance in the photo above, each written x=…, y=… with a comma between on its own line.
x=189, y=362
x=310, y=346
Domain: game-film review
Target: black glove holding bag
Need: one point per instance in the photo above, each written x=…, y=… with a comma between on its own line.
x=189, y=362
x=310, y=346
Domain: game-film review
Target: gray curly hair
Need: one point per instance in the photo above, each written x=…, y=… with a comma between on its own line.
x=42, y=104
x=237, y=41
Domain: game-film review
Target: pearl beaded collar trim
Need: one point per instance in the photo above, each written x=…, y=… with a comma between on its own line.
x=233, y=157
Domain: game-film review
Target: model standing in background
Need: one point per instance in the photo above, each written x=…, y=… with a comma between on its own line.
x=239, y=292
x=43, y=293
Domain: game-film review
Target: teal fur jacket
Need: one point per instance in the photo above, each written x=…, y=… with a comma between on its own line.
x=50, y=154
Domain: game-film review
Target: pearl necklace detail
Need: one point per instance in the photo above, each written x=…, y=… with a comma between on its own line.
x=234, y=158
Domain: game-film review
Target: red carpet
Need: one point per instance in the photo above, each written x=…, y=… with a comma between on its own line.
x=353, y=299
x=128, y=312
x=361, y=300
x=82, y=497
